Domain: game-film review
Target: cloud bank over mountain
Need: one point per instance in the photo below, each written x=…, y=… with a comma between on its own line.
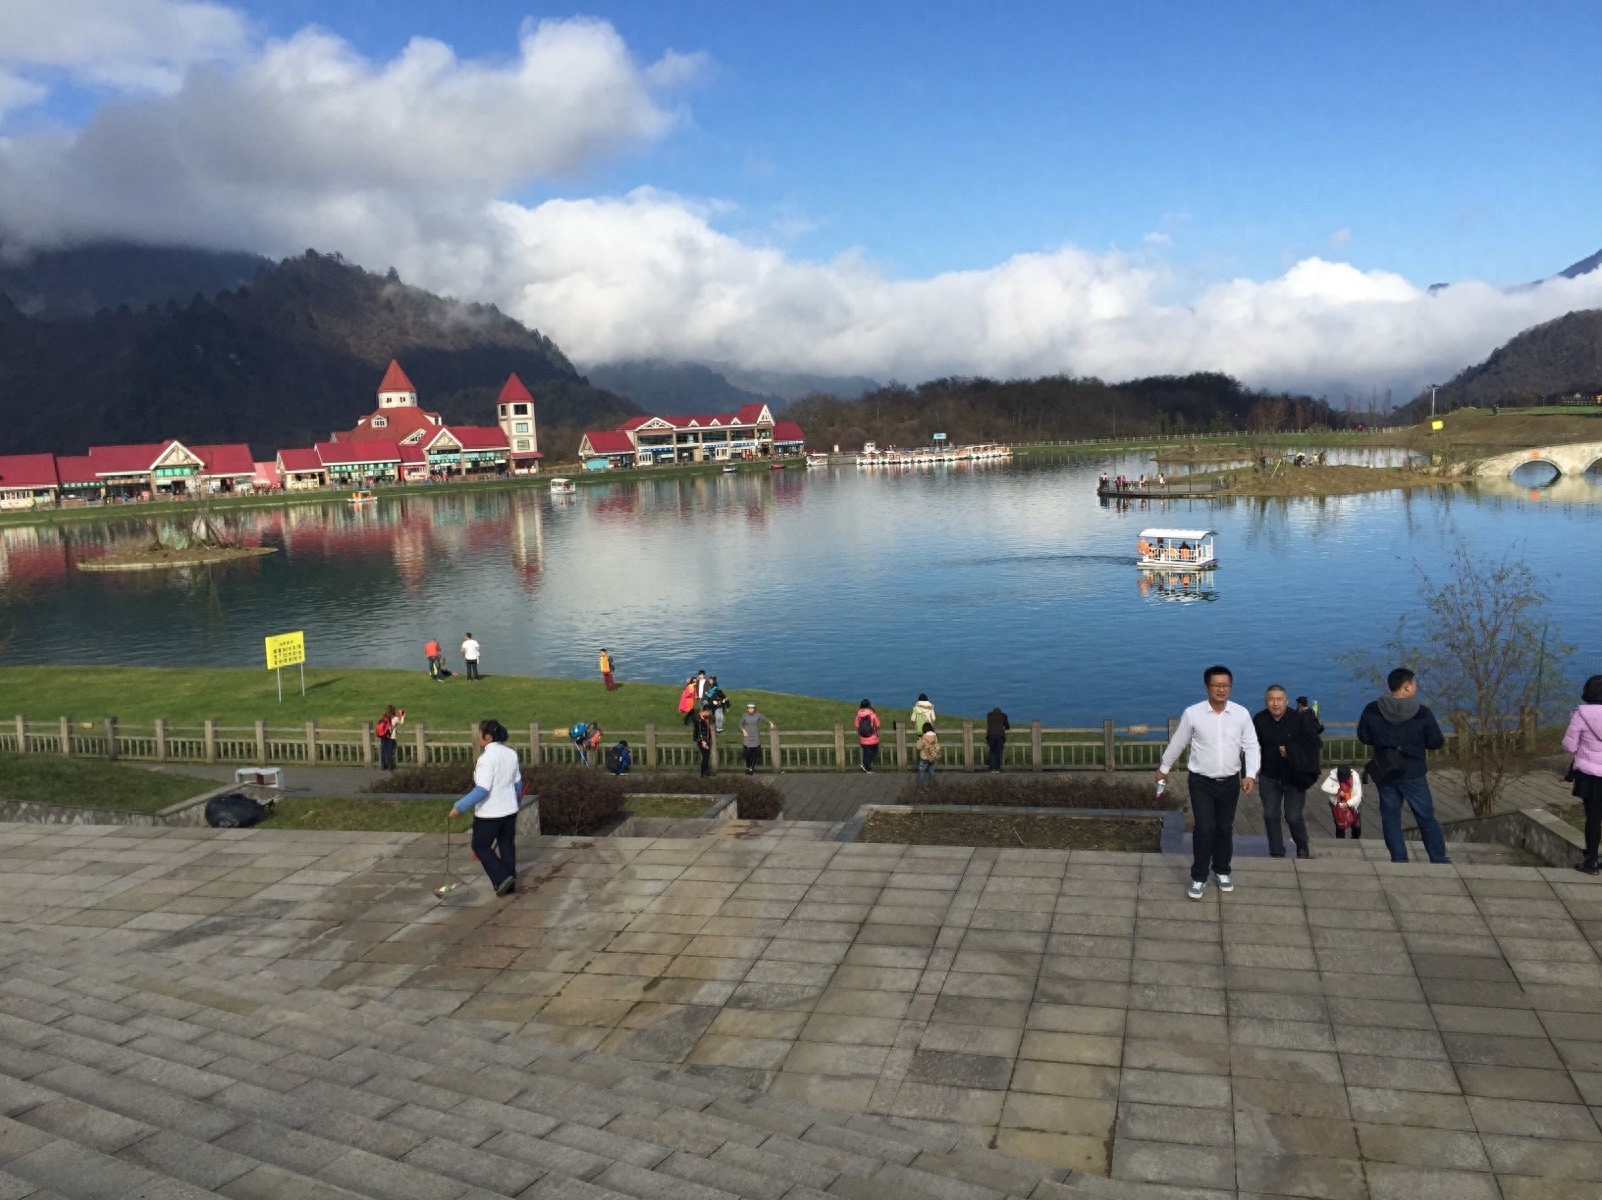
x=206, y=134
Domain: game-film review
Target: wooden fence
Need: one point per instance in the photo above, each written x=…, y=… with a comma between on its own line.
x=1032, y=747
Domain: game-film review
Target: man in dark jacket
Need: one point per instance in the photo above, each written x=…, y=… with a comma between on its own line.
x=1399, y=723
x=996, y=726
x=1290, y=766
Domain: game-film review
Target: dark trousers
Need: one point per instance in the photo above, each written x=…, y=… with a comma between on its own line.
x=753, y=758
x=706, y=759
x=1212, y=803
x=472, y=668
x=1278, y=798
x=998, y=746
x=870, y=756
x=386, y=753
x=495, y=845
x=1416, y=794
x=434, y=664
x=1593, y=823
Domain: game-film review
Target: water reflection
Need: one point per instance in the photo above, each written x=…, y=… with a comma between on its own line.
x=1178, y=587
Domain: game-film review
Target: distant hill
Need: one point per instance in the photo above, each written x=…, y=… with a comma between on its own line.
x=659, y=386
x=1564, y=355
x=83, y=280
x=281, y=361
x=1584, y=267
x=793, y=385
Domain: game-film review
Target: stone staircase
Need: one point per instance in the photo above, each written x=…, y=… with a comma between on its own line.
x=123, y=1079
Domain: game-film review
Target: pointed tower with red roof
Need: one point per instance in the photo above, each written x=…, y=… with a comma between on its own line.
x=514, y=410
x=395, y=390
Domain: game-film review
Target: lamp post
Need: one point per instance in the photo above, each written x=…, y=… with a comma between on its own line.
x=1433, y=386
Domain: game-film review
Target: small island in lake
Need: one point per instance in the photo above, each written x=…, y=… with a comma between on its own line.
x=156, y=558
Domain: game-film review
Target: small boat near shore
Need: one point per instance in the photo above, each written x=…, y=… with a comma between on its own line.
x=563, y=487
x=816, y=459
x=359, y=498
x=1175, y=550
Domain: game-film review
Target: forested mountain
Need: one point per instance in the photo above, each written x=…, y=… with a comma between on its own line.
x=674, y=387
x=81, y=281
x=1560, y=356
x=281, y=361
x=986, y=410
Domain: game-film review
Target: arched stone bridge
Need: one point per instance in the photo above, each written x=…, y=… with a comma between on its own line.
x=1575, y=459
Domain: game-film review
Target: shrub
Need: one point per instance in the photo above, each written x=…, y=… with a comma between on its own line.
x=1090, y=789
x=442, y=779
x=754, y=800
x=574, y=800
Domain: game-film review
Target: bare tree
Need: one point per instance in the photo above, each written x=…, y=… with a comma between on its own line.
x=1487, y=657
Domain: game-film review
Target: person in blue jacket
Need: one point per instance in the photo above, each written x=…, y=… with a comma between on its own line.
x=496, y=796
x=1402, y=730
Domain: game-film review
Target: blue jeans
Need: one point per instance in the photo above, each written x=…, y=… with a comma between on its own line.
x=925, y=772
x=1417, y=794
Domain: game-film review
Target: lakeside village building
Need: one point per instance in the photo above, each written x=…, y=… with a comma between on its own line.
x=397, y=442
x=750, y=432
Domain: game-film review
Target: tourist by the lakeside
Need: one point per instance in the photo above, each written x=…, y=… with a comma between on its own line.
x=996, y=727
x=751, y=736
x=606, y=670
x=436, y=660
x=385, y=728
x=923, y=713
x=701, y=730
x=1221, y=738
x=1290, y=748
x=1401, y=730
x=928, y=755
x=687, y=701
x=868, y=734
x=470, y=652
x=1583, y=739
x=494, y=801
x=718, y=699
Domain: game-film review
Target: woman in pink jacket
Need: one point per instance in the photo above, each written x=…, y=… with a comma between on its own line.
x=1583, y=739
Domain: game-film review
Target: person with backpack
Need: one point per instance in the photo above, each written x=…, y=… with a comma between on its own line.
x=496, y=796
x=584, y=735
x=593, y=754
x=923, y=713
x=928, y=755
x=1345, y=791
x=868, y=735
x=751, y=737
x=687, y=701
x=1401, y=731
x=618, y=759
x=996, y=727
x=1583, y=739
x=701, y=730
x=385, y=728
x=606, y=670
x=719, y=700
x=1291, y=747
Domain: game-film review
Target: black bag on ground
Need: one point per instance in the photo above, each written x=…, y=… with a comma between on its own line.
x=1386, y=767
x=235, y=811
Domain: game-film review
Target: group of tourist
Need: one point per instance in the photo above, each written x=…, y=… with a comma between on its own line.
x=1123, y=483
x=435, y=657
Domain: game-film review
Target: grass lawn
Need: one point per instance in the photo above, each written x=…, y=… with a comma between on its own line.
x=667, y=806
x=90, y=783
x=375, y=816
x=346, y=697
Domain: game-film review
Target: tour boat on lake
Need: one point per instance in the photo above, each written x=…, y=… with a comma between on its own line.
x=363, y=498
x=817, y=458
x=563, y=487
x=1175, y=550
x=872, y=456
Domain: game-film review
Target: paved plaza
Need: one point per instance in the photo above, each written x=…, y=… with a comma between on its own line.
x=1337, y=1028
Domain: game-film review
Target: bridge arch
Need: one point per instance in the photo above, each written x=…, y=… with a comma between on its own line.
x=1573, y=459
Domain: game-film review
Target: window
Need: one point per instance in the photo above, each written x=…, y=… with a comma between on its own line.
x=380, y=422
x=520, y=427
x=520, y=410
x=522, y=443
x=501, y=409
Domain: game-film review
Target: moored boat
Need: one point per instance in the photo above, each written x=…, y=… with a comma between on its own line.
x=363, y=498
x=563, y=487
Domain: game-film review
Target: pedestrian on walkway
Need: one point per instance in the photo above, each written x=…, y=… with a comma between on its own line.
x=751, y=737
x=1290, y=750
x=1345, y=791
x=996, y=727
x=1583, y=739
x=1220, y=735
x=928, y=755
x=923, y=713
x=606, y=670
x=703, y=734
x=470, y=651
x=496, y=795
x=385, y=728
x=436, y=660
x=868, y=735
x=1401, y=729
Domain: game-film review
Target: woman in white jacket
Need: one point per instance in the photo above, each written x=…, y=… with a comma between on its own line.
x=1345, y=790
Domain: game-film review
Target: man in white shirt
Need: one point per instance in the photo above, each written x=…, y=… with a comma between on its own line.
x=470, y=656
x=1219, y=734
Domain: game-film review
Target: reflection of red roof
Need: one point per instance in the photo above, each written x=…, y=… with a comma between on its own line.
x=395, y=379
x=609, y=441
x=785, y=432
x=229, y=459
x=299, y=461
x=514, y=392
x=76, y=469
x=357, y=453
x=129, y=460
x=28, y=471
x=480, y=437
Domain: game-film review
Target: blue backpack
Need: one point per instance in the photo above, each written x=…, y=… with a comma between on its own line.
x=578, y=731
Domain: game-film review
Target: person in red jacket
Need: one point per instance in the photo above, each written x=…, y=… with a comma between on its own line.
x=687, y=700
x=385, y=728
x=868, y=735
x=435, y=659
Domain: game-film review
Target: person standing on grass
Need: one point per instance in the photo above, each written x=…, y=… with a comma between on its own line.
x=435, y=659
x=1290, y=748
x=687, y=701
x=868, y=735
x=495, y=798
x=996, y=727
x=470, y=652
x=606, y=670
x=928, y=755
x=385, y=728
x=1583, y=739
x=1220, y=734
x=923, y=713
x=1402, y=730
x=701, y=730
x=751, y=737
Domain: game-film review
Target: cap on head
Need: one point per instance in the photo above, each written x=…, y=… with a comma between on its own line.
x=751, y=705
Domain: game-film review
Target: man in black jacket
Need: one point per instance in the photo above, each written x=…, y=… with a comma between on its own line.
x=996, y=727
x=1290, y=766
x=1400, y=726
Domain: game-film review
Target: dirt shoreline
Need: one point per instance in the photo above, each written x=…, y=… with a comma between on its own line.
x=161, y=560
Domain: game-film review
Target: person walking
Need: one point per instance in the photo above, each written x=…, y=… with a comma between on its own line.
x=868, y=735
x=436, y=660
x=1345, y=791
x=701, y=729
x=495, y=798
x=606, y=670
x=1401, y=730
x=996, y=727
x=385, y=728
x=1583, y=739
x=1219, y=734
x=928, y=755
x=923, y=713
x=751, y=737
x=470, y=652
x=1290, y=750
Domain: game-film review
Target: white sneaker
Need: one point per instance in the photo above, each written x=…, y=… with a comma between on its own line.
x=1226, y=884
x=1197, y=890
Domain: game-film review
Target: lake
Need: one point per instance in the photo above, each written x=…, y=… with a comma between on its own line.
x=980, y=586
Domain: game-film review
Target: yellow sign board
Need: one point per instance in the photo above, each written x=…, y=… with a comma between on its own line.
x=286, y=649
x=1437, y=425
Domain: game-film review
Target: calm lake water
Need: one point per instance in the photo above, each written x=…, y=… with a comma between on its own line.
x=1010, y=586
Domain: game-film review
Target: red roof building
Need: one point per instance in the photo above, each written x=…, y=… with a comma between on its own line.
x=28, y=480
x=514, y=410
x=395, y=383
x=749, y=432
x=301, y=469
x=229, y=463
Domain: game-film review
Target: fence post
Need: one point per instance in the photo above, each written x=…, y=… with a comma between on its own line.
x=967, y=745
x=1526, y=727
x=161, y=739
x=773, y=748
x=712, y=745
x=66, y=736
x=367, y=743
x=1036, y=759
x=211, y=739
x=111, y=739
x=261, y=742
x=311, y=743
x=839, y=746
x=1109, y=748
x=22, y=734
x=901, y=746
x=1173, y=727
x=650, y=745
x=422, y=744
x=533, y=743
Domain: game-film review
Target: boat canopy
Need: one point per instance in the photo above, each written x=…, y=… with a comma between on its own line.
x=1181, y=534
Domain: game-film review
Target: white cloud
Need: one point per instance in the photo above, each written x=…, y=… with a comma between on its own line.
x=1340, y=239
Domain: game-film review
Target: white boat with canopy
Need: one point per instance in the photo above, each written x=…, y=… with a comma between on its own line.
x=1175, y=549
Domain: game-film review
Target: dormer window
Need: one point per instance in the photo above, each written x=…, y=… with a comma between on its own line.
x=433, y=419
x=380, y=422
